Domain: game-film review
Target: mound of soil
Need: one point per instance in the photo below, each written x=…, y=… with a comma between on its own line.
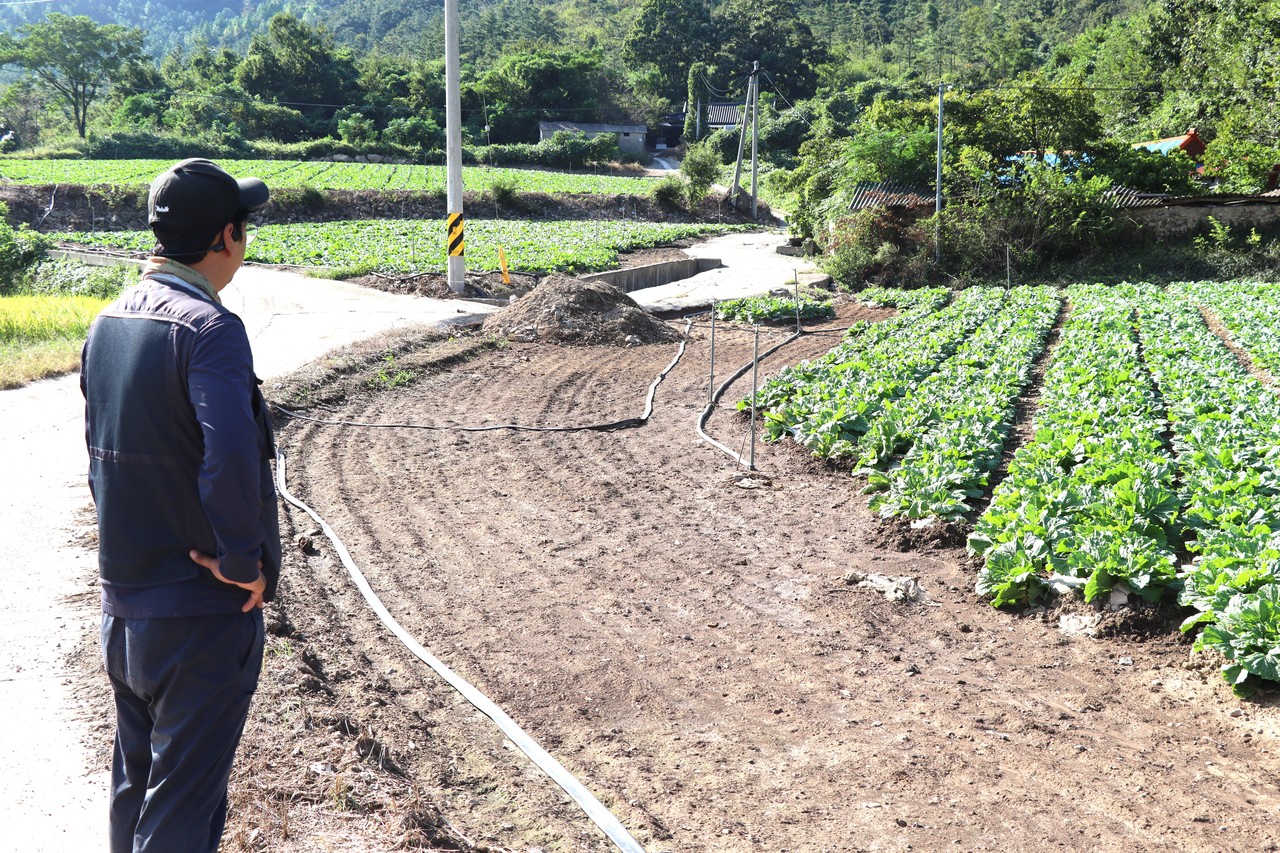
x=568, y=310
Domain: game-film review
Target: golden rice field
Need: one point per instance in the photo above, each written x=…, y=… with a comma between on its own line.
x=41, y=336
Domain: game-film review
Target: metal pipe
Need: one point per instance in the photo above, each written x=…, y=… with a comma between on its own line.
x=711, y=385
x=755, y=383
x=701, y=424
x=755, y=137
x=796, y=273
x=937, y=199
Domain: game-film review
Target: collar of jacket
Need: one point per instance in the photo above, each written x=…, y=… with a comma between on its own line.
x=165, y=266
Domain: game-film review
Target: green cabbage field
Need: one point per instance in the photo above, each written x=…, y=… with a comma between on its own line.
x=391, y=245
x=294, y=174
x=1152, y=462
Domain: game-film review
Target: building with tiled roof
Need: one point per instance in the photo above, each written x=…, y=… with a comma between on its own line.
x=1190, y=142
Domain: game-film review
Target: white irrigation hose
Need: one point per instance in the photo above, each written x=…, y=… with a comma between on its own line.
x=715, y=400
x=593, y=808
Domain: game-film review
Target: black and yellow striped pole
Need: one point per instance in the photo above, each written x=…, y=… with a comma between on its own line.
x=457, y=243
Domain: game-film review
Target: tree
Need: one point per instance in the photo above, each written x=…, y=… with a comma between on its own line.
x=769, y=32
x=298, y=66
x=199, y=69
x=525, y=88
x=695, y=117
x=701, y=168
x=22, y=107
x=74, y=57
x=667, y=37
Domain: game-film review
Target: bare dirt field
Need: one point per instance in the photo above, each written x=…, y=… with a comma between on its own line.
x=690, y=645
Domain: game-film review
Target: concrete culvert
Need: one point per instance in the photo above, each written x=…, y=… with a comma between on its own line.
x=568, y=310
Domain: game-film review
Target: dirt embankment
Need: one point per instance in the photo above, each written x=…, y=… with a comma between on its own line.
x=84, y=208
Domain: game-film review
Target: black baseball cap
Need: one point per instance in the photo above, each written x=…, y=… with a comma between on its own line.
x=191, y=202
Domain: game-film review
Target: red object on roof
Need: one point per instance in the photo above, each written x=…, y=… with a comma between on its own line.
x=1189, y=142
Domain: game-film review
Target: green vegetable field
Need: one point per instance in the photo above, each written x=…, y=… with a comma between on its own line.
x=419, y=246
x=1151, y=465
x=293, y=174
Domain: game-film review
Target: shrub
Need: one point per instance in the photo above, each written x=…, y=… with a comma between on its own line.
x=878, y=246
x=669, y=192
x=505, y=191
x=308, y=198
x=700, y=167
x=562, y=150
x=126, y=145
x=357, y=130
x=417, y=133
x=19, y=249
x=724, y=142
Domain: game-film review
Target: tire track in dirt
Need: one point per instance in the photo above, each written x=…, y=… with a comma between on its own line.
x=462, y=753
x=686, y=647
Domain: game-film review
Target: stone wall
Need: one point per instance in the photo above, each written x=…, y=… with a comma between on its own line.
x=1189, y=220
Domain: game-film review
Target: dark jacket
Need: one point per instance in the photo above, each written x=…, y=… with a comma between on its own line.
x=180, y=448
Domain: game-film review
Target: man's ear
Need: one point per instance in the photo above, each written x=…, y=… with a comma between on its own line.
x=224, y=239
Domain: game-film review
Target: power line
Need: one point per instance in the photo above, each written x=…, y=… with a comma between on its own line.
x=791, y=106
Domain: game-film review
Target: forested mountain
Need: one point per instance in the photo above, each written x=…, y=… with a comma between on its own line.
x=1044, y=98
x=1003, y=33
x=1152, y=67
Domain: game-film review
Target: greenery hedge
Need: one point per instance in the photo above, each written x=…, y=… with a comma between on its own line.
x=564, y=150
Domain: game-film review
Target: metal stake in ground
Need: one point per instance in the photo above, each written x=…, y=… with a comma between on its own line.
x=755, y=383
x=711, y=386
x=796, y=273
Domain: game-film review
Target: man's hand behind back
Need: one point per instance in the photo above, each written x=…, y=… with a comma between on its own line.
x=256, y=589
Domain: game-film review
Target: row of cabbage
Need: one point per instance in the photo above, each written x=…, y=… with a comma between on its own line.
x=1248, y=309
x=416, y=246
x=295, y=174
x=952, y=427
x=1152, y=440
x=1090, y=502
x=1226, y=433
x=1152, y=443
x=828, y=404
x=923, y=402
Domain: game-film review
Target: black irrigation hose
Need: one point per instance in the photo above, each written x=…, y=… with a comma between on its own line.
x=595, y=810
x=724, y=386
x=625, y=423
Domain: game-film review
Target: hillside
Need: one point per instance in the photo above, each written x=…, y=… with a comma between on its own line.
x=965, y=28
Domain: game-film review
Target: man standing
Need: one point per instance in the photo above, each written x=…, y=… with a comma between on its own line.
x=180, y=446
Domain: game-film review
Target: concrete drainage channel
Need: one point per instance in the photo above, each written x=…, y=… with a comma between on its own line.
x=654, y=275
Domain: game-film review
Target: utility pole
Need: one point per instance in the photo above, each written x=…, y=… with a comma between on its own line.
x=453, y=146
x=736, y=189
x=755, y=135
x=937, y=199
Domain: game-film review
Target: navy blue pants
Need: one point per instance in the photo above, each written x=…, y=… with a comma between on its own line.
x=182, y=690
